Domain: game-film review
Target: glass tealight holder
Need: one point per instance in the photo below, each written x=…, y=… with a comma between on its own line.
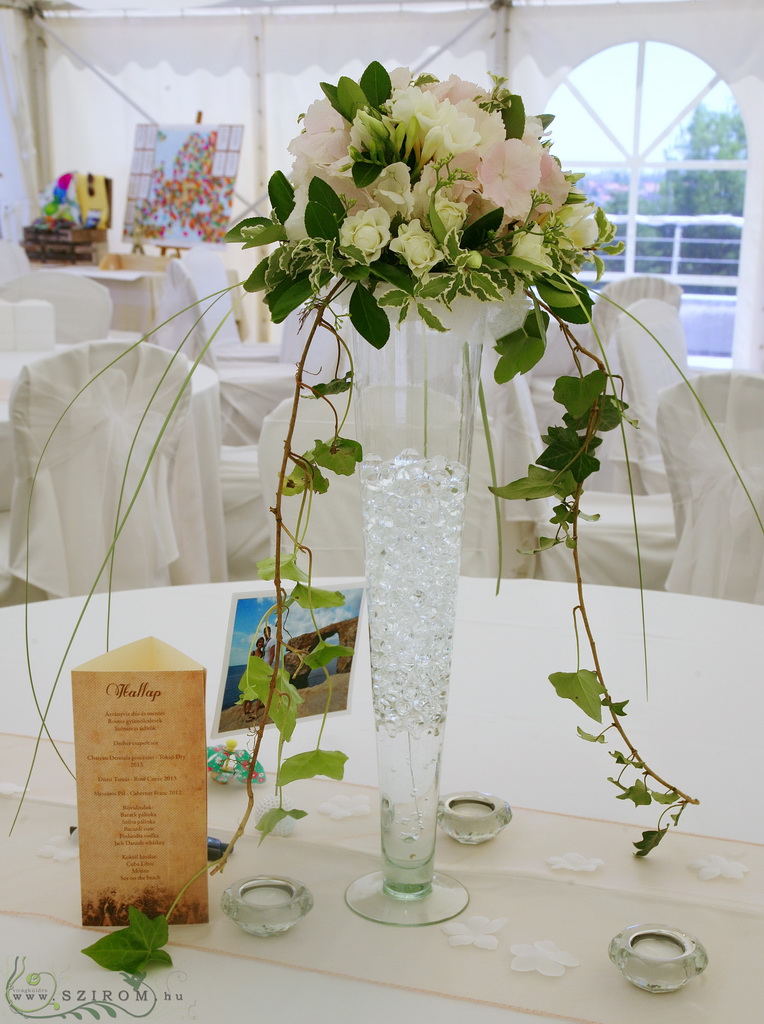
x=265, y=905
x=473, y=817
x=657, y=958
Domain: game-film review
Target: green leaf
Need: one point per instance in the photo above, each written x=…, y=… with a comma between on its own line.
x=476, y=234
x=256, y=280
x=395, y=297
x=271, y=818
x=571, y=302
x=429, y=318
x=368, y=318
x=519, y=352
x=565, y=451
x=351, y=98
x=287, y=296
x=514, y=118
x=540, y=483
x=323, y=194
x=290, y=570
x=376, y=84
x=311, y=763
x=313, y=597
x=394, y=275
x=665, y=798
x=304, y=475
x=588, y=736
x=358, y=272
x=333, y=387
x=639, y=794
x=235, y=235
x=323, y=653
x=341, y=455
x=649, y=841
x=578, y=394
x=320, y=223
x=617, y=707
x=437, y=226
x=281, y=195
x=330, y=91
x=263, y=234
x=583, y=688
x=131, y=949
x=365, y=173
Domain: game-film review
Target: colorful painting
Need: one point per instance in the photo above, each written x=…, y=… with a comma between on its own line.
x=181, y=184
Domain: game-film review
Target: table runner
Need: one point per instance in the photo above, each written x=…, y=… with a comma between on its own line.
x=508, y=877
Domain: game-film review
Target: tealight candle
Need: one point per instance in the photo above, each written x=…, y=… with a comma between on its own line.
x=266, y=905
x=656, y=958
x=473, y=817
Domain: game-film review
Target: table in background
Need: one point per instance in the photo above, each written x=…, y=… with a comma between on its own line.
x=134, y=293
x=508, y=733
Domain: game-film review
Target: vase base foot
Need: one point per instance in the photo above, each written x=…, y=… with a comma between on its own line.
x=367, y=897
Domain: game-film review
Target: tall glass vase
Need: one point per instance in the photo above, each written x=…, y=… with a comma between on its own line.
x=414, y=404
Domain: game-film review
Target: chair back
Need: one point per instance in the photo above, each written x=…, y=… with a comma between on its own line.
x=211, y=285
x=83, y=307
x=180, y=317
x=720, y=549
x=13, y=261
x=626, y=291
x=84, y=421
x=335, y=535
x=647, y=368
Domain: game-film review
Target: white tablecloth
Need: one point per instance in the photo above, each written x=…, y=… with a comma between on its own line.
x=134, y=293
x=196, y=500
x=508, y=734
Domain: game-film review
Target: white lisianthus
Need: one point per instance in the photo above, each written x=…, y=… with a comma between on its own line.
x=417, y=247
x=368, y=231
x=452, y=214
x=580, y=227
x=530, y=247
x=392, y=190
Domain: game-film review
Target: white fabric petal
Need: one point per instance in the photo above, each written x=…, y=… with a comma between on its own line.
x=456, y=928
x=486, y=941
x=10, y=789
x=549, y=968
x=461, y=940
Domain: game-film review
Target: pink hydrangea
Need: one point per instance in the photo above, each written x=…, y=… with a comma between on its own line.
x=508, y=172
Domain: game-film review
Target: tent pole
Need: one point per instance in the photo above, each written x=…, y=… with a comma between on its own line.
x=38, y=106
x=501, y=38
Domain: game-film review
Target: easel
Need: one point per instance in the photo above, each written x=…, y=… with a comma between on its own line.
x=176, y=249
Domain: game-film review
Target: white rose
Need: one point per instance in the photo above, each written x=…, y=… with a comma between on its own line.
x=392, y=190
x=368, y=231
x=452, y=214
x=530, y=247
x=448, y=131
x=417, y=247
x=580, y=227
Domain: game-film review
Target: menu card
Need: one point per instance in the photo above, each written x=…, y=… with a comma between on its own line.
x=141, y=759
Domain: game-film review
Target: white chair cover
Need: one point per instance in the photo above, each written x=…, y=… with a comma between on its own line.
x=208, y=277
x=626, y=291
x=647, y=369
x=720, y=549
x=76, y=493
x=325, y=361
x=83, y=307
x=249, y=527
x=180, y=320
x=335, y=534
x=13, y=261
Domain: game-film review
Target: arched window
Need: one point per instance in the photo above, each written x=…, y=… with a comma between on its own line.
x=663, y=146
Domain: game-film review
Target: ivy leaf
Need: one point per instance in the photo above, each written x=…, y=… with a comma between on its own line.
x=514, y=118
x=665, y=798
x=255, y=680
x=649, y=841
x=340, y=456
x=540, y=483
x=333, y=387
x=578, y=394
x=583, y=688
x=368, y=318
x=305, y=474
x=376, y=84
x=519, y=353
x=323, y=653
x=570, y=302
x=131, y=949
x=639, y=794
x=479, y=231
x=271, y=818
x=290, y=570
x=565, y=451
x=313, y=597
x=588, y=736
x=311, y=763
x=281, y=195
x=365, y=173
x=615, y=706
